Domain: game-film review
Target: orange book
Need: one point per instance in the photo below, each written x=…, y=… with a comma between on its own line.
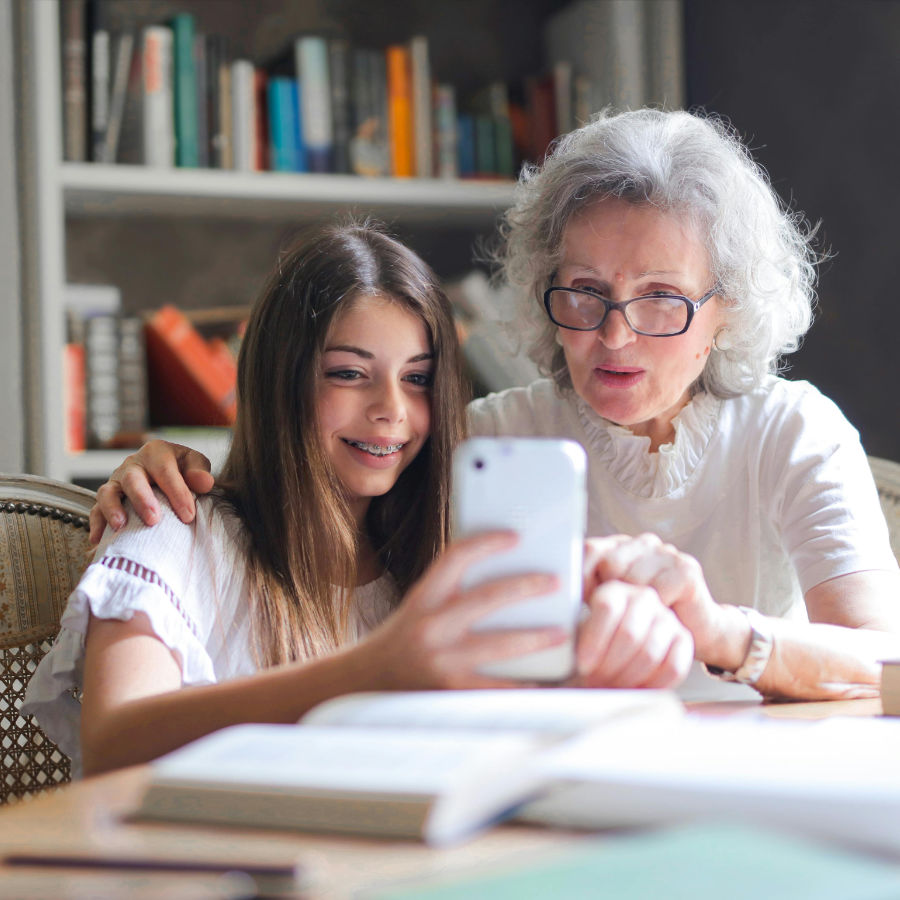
x=75, y=399
x=400, y=110
x=189, y=383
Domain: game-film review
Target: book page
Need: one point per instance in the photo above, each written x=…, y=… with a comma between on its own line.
x=407, y=761
x=547, y=711
x=839, y=753
x=836, y=778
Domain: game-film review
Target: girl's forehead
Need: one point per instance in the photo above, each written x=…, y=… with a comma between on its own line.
x=379, y=319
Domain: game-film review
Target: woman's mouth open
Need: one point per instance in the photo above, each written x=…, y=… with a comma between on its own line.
x=619, y=376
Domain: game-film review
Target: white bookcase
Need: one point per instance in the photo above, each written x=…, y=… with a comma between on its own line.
x=57, y=192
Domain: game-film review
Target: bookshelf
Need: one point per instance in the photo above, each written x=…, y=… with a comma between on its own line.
x=58, y=194
x=121, y=214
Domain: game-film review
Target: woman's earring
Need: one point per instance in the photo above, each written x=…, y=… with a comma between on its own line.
x=721, y=340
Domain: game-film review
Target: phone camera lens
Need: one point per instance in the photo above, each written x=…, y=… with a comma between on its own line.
x=479, y=463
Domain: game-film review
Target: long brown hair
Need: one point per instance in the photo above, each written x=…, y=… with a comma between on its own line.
x=302, y=540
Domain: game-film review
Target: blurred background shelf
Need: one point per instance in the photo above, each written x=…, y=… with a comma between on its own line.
x=91, y=189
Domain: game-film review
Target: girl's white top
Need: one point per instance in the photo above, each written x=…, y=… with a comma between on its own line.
x=191, y=583
x=771, y=491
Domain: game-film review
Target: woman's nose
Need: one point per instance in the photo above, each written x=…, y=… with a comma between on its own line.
x=615, y=332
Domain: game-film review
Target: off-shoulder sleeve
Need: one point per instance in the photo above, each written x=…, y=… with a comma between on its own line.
x=189, y=581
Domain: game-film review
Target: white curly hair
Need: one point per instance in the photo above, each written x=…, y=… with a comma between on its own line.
x=693, y=166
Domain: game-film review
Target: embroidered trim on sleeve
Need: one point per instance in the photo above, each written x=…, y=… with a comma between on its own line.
x=130, y=567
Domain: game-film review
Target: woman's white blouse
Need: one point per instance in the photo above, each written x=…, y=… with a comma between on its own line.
x=771, y=491
x=191, y=583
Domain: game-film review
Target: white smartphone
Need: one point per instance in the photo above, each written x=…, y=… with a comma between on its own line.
x=536, y=487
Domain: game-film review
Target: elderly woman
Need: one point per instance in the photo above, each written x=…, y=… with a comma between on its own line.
x=664, y=281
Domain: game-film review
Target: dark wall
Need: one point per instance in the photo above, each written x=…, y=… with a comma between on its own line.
x=814, y=87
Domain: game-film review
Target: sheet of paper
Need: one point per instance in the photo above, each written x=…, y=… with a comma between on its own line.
x=546, y=711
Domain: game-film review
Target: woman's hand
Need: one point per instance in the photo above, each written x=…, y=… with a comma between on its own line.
x=429, y=641
x=174, y=469
x=630, y=639
x=721, y=633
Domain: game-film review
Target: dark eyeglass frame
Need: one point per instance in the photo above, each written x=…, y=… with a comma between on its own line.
x=693, y=306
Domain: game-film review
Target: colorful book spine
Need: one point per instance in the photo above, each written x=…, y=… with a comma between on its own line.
x=282, y=153
x=74, y=382
x=158, y=116
x=185, y=91
x=311, y=64
x=296, y=113
x=400, y=111
x=201, y=90
x=124, y=47
x=75, y=81
x=465, y=129
x=260, y=121
x=339, y=71
x=369, y=155
x=100, y=83
x=226, y=114
x=378, y=76
x=504, y=151
x=215, y=58
x=101, y=352
x=132, y=381
x=243, y=128
x=445, y=137
x=420, y=69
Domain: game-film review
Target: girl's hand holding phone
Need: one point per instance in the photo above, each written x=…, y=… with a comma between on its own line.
x=429, y=642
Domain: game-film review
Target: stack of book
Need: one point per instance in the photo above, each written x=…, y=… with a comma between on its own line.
x=123, y=374
x=104, y=370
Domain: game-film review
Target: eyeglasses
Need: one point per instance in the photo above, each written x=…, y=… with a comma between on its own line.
x=656, y=315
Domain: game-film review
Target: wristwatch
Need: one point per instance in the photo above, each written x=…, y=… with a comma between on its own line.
x=762, y=642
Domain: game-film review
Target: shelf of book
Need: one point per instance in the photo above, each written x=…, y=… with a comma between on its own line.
x=92, y=189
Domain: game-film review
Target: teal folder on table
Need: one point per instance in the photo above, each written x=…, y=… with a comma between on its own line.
x=708, y=862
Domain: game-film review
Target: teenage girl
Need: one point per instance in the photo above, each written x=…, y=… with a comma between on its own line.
x=311, y=570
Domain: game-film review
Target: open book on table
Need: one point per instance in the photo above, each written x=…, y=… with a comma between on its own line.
x=433, y=764
x=836, y=778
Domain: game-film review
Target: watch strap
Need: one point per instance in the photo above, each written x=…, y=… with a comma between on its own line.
x=762, y=643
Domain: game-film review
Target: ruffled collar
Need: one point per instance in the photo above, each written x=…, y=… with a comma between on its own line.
x=627, y=456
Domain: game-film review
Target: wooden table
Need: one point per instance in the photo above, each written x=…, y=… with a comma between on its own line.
x=92, y=814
